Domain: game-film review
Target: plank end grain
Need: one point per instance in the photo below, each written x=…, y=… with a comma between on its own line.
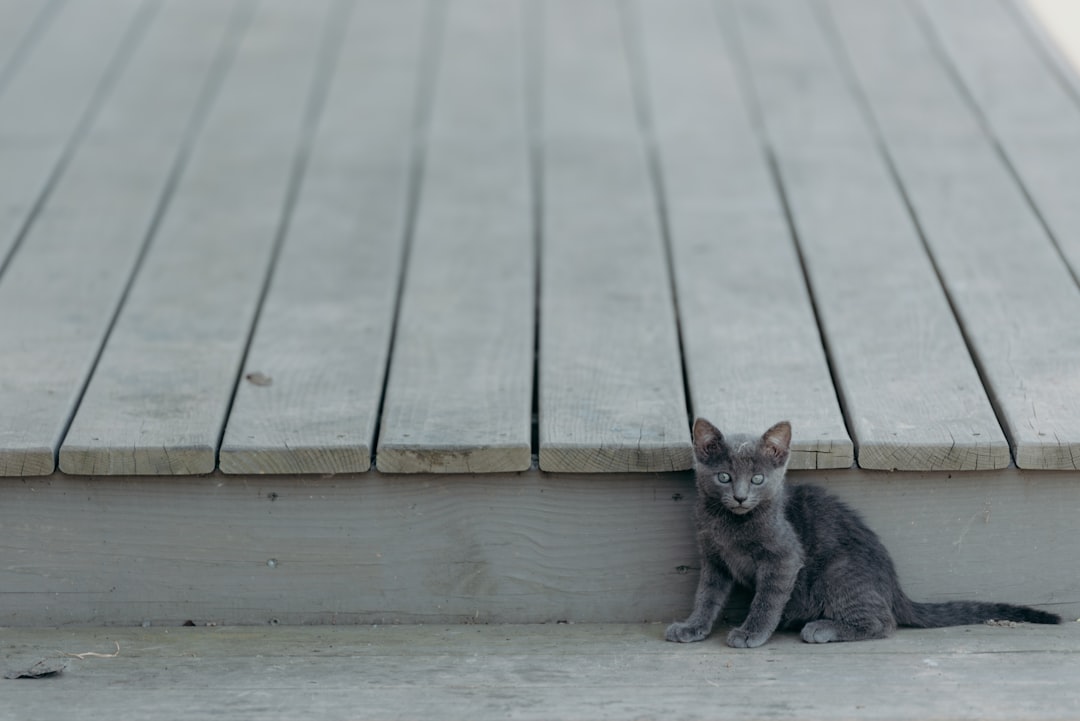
x=177, y=460
x=588, y=458
x=402, y=458
x=826, y=453
x=291, y=459
x=27, y=461
x=905, y=455
x=1063, y=455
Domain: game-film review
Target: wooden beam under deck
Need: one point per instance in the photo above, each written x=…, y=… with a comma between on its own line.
x=489, y=548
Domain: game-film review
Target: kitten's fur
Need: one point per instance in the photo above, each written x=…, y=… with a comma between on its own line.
x=809, y=559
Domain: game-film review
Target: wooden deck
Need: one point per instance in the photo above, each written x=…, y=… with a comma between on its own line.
x=294, y=238
x=528, y=240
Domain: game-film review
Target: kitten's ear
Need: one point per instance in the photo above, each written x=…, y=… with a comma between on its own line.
x=708, y=441
x=776, y=442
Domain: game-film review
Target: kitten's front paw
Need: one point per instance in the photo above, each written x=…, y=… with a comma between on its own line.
x=740, y=638
x=685, y=633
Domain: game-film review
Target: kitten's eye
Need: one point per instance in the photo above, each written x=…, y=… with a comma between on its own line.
x=757, y=479
x=723, y=477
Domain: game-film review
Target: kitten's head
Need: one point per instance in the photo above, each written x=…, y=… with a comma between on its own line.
x=740, y=472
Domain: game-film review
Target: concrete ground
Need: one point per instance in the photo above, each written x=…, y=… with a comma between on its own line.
x=560, y=671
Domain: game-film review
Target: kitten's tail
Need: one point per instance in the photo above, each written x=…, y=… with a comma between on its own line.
x=960, y=613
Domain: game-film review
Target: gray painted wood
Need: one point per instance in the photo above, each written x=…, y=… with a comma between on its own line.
x=1011, y=289
x=18, y=21
x=753, y=353
x=611, y=393
x=489, y=548
x=459, y=391
x=324, y=330
x=1034, y=117
x=553, y=671
x=158, y=398
x=831, y=170
x=45, y=99
x=912, y=395
x=63, y=287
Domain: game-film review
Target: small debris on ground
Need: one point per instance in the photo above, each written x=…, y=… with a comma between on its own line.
x=259, y=379
x=42, y=669
x=93, y=654
x=1002, y=624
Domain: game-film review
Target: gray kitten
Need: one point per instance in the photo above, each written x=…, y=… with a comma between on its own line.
x=809, y=559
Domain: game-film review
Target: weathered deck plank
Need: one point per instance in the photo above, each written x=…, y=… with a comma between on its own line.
x=50, y=94
x=1010, y=287
x=459, y=392
x=912, y=394
x=18, y=21
x=611, y=392
x=63, y=287
x=1032, y=115
x=323, y=334
x=158, y=398
x=752, y=349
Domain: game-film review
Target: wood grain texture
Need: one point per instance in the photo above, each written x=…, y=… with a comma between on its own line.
x=611, y=393
x=753, y=353
x=459, y=390
x=324, y=330
x=46, y=97
x=369, y=548
x=913, y=398
x=489, y=548
x=158, y=398
x=613, y=672
x=62, y=289
x=1011, y=289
